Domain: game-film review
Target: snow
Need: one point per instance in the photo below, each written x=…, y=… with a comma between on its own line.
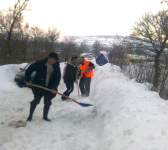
x=125, y=115
x=105, y=40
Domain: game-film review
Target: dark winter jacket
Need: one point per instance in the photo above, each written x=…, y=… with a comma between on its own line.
x=40, y=76
x=70, y=73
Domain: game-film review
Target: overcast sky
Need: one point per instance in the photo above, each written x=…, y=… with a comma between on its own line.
x=87, y=17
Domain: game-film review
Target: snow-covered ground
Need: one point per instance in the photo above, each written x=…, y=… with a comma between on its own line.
x=125, y=116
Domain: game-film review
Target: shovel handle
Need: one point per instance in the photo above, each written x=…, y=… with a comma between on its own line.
x=77, y=85
x=55, y=92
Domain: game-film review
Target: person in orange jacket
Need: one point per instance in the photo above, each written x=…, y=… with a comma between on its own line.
x=86, y=72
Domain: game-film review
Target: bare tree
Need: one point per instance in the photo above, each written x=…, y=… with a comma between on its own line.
x=37, y=35
x=10, y=20
x=97, y=47
x=120, y=47
x=51, y=39
x=24, y=39
x=53, y=34
x=68, y=48
x=83, y=48
x=152, y=31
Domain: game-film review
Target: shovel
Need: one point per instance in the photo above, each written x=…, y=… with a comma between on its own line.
x=81, y=104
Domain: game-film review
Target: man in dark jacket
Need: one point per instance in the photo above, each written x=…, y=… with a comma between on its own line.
x=70, y=76
x=47, y=75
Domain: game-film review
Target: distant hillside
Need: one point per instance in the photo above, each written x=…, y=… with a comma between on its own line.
x=103, y=39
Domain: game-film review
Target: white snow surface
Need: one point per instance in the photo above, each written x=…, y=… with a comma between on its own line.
x=125, y=115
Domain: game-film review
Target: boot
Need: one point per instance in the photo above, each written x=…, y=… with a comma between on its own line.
x=63, y=98
x=32, y=108
x=45, y=113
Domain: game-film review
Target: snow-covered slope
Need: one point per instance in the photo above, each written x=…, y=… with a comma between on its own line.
x=125, y=116
x=105, y=40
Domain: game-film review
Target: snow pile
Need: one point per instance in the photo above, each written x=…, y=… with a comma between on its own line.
x=125, y=116
x=7, y=74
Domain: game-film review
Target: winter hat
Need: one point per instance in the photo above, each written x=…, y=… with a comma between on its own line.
x=74, y=57
x=54, y=55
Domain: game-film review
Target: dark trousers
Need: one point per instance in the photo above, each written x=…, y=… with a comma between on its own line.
x=48, y=96
x=84, y=85
x=70, y=87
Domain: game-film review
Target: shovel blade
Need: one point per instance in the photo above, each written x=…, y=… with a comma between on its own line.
x=85, y=105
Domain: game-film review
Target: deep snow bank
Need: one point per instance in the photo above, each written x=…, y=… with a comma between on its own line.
x=7, y=74
x=125, y=116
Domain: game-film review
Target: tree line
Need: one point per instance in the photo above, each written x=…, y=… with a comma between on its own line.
x=21, y=43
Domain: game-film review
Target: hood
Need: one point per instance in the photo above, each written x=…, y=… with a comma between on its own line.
x=70, y=63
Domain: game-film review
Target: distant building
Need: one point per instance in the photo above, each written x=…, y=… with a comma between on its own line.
x=137, y=58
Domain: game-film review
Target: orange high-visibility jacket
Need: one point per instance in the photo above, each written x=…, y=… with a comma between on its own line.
x=84, y=67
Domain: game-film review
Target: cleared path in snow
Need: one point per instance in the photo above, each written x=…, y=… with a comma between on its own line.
x=125, y=116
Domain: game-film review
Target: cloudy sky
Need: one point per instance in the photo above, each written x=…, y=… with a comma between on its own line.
x=87, y=17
